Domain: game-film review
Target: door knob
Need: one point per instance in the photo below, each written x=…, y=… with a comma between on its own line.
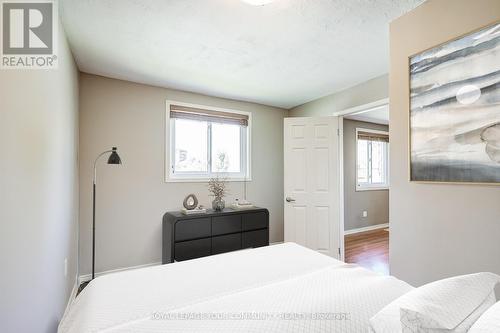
x=288, y=199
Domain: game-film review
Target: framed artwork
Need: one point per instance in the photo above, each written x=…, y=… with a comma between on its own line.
x=455, y=110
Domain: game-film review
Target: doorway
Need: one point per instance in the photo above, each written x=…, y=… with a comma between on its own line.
x=364, y=145
x=317, y=211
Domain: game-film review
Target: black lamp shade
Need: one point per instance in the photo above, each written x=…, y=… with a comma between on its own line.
x=114, y=158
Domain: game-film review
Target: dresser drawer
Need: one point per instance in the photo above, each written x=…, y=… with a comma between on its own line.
x=192, y=249
x=192, y=236
x=226, y=224
x=255, y=238
x=252, y=221
x=192, y=229
x=226, y=243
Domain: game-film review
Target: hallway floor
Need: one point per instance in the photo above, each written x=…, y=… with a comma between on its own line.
x=369, y=249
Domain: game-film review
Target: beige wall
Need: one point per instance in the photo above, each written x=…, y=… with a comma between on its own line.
x=436, y=230
x=376, y=203
x=132, y=198
x=38, y=193
x=364, y=93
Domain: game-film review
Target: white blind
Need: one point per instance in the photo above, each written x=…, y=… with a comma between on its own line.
x=185, y=112
x=373, y=136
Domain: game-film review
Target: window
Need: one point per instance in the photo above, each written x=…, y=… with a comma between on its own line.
x=207, y=141
x=372, y=170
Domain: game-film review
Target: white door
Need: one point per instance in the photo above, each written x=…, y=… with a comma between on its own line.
x=311, y=182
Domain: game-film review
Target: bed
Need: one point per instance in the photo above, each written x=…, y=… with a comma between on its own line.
x=279, y=288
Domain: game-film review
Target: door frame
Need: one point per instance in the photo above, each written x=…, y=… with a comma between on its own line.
x=341, y=114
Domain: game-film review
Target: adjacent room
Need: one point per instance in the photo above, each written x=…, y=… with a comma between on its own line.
x=250, y=166
x=366, y=186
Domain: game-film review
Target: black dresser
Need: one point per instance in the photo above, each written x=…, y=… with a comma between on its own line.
x=193, y=236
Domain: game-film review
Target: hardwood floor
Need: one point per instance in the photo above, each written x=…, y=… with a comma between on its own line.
x=369, y=249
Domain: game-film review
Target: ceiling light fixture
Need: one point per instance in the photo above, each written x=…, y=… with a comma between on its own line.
x=258, y=2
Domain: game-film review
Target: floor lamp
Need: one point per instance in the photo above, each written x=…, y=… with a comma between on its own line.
x=113, y=158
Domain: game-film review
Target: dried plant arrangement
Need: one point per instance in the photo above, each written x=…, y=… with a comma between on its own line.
x=218, y=189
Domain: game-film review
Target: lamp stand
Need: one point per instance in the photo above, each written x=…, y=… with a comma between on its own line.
x=113, y=159
x=93, y=230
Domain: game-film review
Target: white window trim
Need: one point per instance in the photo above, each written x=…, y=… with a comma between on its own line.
x=371, y=187
x=197, y=178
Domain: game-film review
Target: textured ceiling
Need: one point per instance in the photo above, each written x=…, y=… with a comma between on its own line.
x=282, y=54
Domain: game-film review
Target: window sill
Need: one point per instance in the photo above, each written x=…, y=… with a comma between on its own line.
x=375, y=188
x=203, y=180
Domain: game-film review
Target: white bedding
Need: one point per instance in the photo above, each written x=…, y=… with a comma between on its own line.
x=269, y=282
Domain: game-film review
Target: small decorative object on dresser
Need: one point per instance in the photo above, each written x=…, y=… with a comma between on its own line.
x=242, y=204
x=217, y=189
x=190, y=202
x=188, y=237
x=197, y=210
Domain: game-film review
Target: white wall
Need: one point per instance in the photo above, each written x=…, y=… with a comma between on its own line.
x=132, y=198
x=363, y=93
x=38, y=193
x=436, y=230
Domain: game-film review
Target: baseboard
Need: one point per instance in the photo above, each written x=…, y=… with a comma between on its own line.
x=88, y=277
x=274, y=243
x=369, y=228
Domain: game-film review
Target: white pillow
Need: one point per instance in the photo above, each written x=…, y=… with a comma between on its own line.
x=489, y=322
x=412, y=321
x=442, y=305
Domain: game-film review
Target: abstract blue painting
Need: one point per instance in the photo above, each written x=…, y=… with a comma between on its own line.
x=455, y=110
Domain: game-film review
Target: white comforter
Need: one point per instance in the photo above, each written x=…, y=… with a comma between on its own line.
x=280, y=288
